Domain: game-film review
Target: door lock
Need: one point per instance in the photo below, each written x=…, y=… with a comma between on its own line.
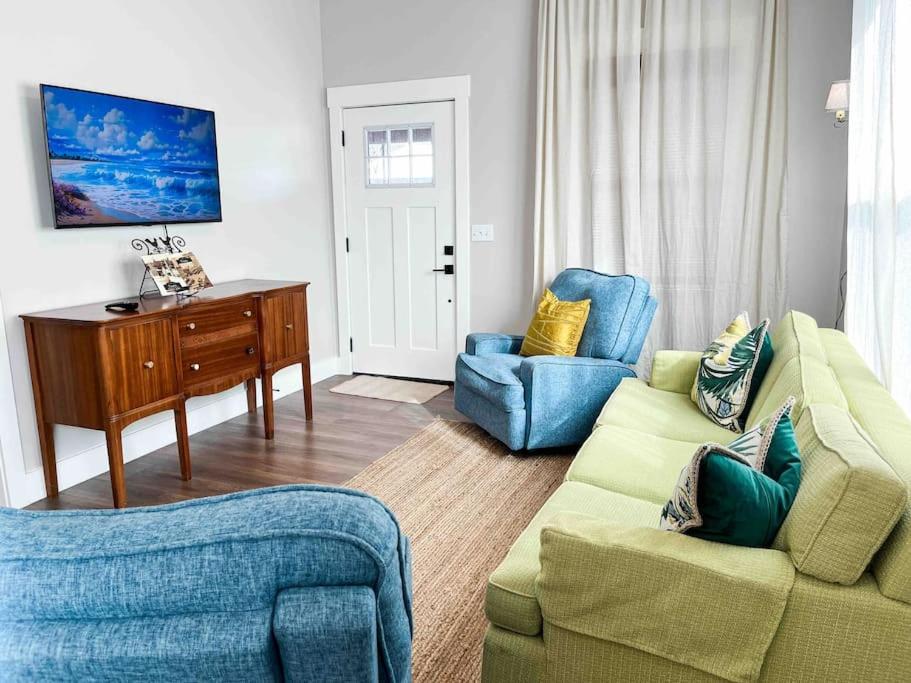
x=448, y=269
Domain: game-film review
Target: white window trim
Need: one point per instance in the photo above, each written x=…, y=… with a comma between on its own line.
x=455, y=89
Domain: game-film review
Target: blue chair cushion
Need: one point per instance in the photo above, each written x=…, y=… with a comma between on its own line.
x=618, y=305
x=494, y=376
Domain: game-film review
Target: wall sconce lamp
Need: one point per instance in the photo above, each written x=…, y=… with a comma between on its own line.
x=837, y=102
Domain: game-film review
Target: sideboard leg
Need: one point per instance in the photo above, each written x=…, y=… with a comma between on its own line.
x=308, y=389
x=45, y=428
x=251, y=395
x=48, y=458
x=115, y=460
x=183, y=441
x=268, y=412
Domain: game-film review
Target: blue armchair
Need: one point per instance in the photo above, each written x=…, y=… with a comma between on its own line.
x=296, y=583
x=547, y=401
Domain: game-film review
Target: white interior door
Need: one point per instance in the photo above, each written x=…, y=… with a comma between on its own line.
x=400, y=196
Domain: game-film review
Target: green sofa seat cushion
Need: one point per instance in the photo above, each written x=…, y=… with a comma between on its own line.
x=511, y=601
x=631, y=462
x=636, y=405
x=849, y=498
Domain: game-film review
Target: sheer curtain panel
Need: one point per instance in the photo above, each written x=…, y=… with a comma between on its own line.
x=672, y=167
x=878, y=306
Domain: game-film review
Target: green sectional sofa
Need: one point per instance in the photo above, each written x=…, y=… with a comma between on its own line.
x=592, y=590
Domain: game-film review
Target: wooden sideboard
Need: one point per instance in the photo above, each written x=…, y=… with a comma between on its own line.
x=103, y=370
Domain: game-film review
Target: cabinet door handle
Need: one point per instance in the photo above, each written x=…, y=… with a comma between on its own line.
x=248, y=314
x=289, y=326
x=194, y=366
x=149, y=364
x=250, y=350
x=191, y=326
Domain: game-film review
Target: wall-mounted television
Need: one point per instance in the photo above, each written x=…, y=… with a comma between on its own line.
x=122, y=161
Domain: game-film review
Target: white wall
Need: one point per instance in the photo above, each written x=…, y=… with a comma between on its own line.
x=494, y=43
x=820, y=52
x=258, y=65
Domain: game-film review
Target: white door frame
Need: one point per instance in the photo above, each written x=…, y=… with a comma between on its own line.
x=14, y=488
x=456, y=89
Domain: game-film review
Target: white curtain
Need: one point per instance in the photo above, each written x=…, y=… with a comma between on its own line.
x=672, y=169
x=878, y=307
x=587, y=170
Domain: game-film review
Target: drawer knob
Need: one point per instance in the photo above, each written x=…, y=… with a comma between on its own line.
x=194, y=366
x=289, y=326
x=149, y=364
x=191, y=326
x=248, y=314
x=250, y=350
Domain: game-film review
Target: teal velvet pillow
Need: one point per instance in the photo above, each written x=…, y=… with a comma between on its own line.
x=739, y=493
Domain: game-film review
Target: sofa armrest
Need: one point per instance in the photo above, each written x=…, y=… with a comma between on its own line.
x=479, y=343
x=710, y=606
x=564, y=394
x=675, y=370
x=224, y=557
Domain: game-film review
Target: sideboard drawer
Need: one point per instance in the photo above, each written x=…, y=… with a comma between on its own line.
x=223, y=359
x=285, y=326
x=142, y=367
x=197, y=324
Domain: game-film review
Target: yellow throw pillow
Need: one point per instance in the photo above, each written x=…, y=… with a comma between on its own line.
x=556, y=328
x=720, y=349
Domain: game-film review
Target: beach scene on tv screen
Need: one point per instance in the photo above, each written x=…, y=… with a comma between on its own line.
x=119, y=160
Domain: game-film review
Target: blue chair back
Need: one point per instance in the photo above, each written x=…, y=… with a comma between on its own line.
x=621, y=312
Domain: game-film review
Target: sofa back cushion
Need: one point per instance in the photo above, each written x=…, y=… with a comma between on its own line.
x=848, y=502
x=799, y=368
x=618, y=304
x=890, y=429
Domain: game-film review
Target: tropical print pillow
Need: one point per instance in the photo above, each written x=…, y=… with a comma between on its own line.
x=740, y=493
x=730, y=372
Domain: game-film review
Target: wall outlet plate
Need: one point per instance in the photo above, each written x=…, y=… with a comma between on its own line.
x=482, y=232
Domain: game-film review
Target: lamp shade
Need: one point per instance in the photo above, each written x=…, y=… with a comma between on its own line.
x=838, y=96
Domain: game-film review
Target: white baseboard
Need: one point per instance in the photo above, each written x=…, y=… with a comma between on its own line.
x=158, y=431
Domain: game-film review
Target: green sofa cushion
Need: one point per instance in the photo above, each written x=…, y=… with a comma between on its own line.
x=849, y=499
x=799, y=368
x=630, y=462
x=636, y=405
x=890, y=429
x=511, y=602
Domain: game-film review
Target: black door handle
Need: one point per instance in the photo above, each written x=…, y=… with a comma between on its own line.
x=446, y=270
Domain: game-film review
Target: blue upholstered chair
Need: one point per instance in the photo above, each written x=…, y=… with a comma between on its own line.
x=296, y=583
x=547, y=401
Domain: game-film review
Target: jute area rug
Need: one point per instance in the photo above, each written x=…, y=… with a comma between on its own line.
x=463, y=499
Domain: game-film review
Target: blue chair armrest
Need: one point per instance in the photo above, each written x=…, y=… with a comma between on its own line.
x=480, y=343
x=564, y=394
x=227, y=555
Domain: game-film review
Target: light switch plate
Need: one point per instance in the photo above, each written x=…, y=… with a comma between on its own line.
x=482, y=232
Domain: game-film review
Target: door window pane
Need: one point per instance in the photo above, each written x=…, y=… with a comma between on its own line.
x=398, y=142
x=376, y=171
x=399, y=171
x=422, y=141
x=400, y=156
x=376, y=143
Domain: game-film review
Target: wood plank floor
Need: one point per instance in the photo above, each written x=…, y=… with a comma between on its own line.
x=347, y=434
